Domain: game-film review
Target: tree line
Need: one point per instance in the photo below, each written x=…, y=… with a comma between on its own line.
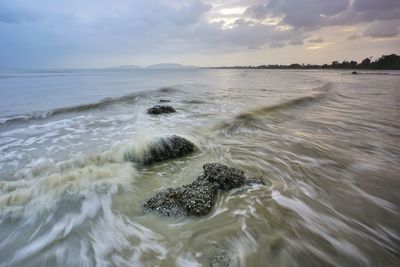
x=387, y=62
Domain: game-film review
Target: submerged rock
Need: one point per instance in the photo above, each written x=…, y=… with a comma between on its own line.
x=169, y=147
x=158, y=109
x=199, y=197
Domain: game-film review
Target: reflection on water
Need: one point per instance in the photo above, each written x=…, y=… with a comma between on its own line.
x=327, y=145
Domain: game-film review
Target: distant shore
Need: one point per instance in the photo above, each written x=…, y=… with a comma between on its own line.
x=290, y=68
x=385, y=62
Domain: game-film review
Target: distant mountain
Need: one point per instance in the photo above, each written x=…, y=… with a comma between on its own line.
x=126, y=67
x=170, y=66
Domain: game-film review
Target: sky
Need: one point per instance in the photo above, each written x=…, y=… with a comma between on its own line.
x=103, y=33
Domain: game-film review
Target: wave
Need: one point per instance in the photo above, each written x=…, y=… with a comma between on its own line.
x=168, y=90
x=127, y=99
x=45, y=73
x=106, y=102
x=281, y=106
x=18, y=76
x=62, y=197
x=247, y=118
x=42, y=184
x=195, y=102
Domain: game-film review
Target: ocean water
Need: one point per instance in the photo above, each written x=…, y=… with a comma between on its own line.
x=326, y=143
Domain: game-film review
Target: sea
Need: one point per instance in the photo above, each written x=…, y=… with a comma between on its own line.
x=326, y=143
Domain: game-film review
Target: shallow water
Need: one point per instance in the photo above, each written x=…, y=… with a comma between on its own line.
x=327, y=145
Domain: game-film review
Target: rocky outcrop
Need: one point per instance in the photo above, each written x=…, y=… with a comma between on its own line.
x=159, y=109
x=199, y=197
x=195, y=199
x=221, y=260
x=164, y=148
x=226, y=177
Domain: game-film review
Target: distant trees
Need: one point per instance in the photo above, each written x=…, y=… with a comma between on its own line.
x=295, y=66
x=384, y=62
x=353, y=64
x=389, y=62
x=365, y=63
x=344, y=65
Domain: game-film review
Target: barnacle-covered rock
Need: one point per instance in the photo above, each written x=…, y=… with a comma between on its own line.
x=199, y=197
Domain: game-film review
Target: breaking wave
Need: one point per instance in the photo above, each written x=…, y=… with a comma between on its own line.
x=253, y=115
x=104, y=103
x=42, y=184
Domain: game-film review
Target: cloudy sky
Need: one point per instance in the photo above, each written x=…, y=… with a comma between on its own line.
x=101, y=33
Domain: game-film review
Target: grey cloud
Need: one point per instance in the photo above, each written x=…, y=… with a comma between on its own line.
x=296, y=42
x=157, y=13
x=377, y=9
x=258, y=11
x=276, y=45
x=191, y=13
x=315, y=14
x=354, y=37
x=135, y=27
x=241, y=22
x=366, y=11
x=58, y=31
x=383, y=29
x=316, y=40
x=366, y=5
x=242, y=34
x=92, y=30
x=307, y=13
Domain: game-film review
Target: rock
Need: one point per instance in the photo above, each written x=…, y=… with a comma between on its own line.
x=354, y=72
x=169, y=148
x=165, y=148
x=164, y=100
x=195, y=199
x=199, y=197
x=221, y=260
x=158, y=109
x=166, y=203
x=227, y=177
